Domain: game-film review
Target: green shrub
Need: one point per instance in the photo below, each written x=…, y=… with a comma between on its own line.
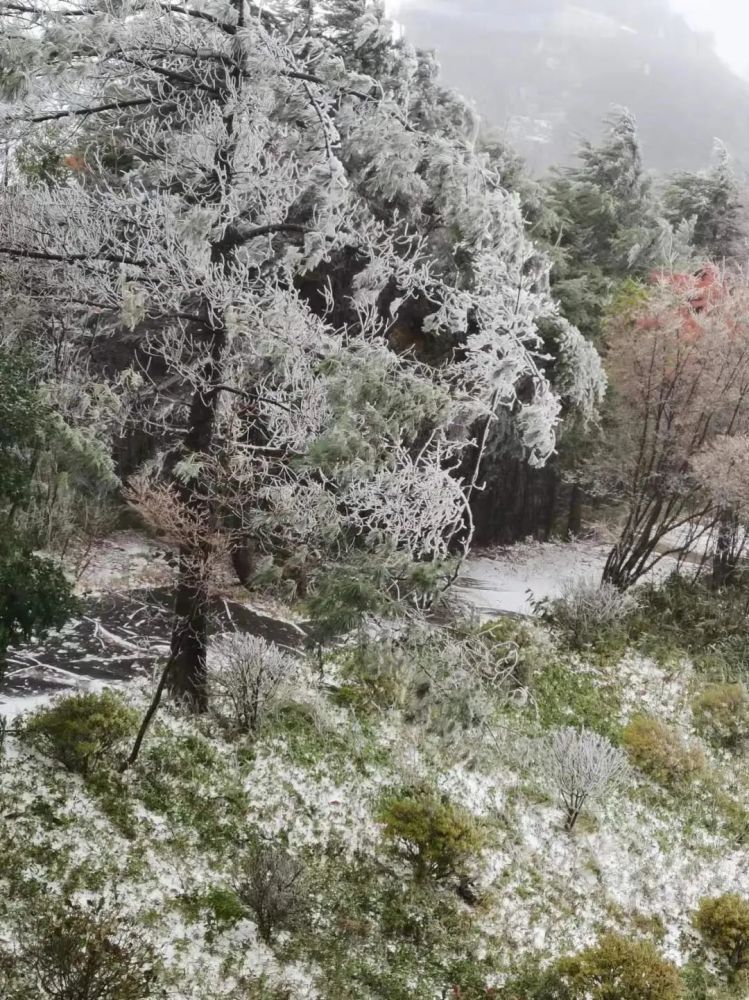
x=620, y=968
x=721, y=714
x=437, y=837
x=566, y=695
x=78, y=953
x=35, y=596
x=723, y=922
x=658, y=751
x=688, y=615
x=82, y=731
x=220, y=906
x=535, y=982
x=704, y=983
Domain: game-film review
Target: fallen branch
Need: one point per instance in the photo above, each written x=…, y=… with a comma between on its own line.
x=115, y=640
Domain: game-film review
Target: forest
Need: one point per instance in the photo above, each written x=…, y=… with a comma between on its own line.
x=373, y=572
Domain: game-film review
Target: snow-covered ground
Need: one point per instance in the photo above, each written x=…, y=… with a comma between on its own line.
x=121, y=619
x=125, y=561
x=508, y=580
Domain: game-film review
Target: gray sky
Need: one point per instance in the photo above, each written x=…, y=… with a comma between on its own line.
x=726, y=20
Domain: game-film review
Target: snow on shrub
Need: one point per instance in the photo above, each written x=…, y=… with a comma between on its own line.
x=658, y=751
x=435, y=836
x=71, y=952
x=721, y=714
x=247, y=678
x=585, y=609
x=83, y=731
x=271, y=884
x=618, y=968
x=580, y=767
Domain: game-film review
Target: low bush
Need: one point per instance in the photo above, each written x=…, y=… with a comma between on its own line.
x=660, y=753
x=723, y=923
x=435, y=836
x=219, y=905
x=726, y=660
x=247, y=678
x=83, y=731
x=78, y=953
x=688, y=615
x=619, y=968
x=534, y=981
x=587, y=612
x=270, y=883
x=721, y=714
x=447, y=680
x=580, y=767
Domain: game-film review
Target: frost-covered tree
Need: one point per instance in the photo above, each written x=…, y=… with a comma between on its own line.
x=580, y=767
x=711, y=202
x=722, y=470
x=603, y=224
x=235, y=188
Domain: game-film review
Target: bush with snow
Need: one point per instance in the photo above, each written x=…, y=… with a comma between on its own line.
x=434, y=835
x=82, y=731
x=580, y=767
x=658, y=751
x=70, y=952
x=721, y=714
x=247, y=679
x=587, y=609
x=271, y=884
x=620, y=968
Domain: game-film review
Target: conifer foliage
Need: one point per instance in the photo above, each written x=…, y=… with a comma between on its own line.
x=262, y=198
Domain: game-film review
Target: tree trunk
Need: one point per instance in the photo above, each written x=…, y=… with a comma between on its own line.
x=189, y=674
x=188, y=677
x=724, y=563
x=575, y=517
x=188, y=680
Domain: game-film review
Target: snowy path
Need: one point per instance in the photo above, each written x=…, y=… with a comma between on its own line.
x=507, y=580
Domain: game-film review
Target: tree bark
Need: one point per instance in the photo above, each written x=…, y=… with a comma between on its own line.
x=724, y=563
x=575, y=517
x=188, y=679
x=189, y=676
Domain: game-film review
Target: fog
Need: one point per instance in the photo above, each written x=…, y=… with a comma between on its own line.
x=544, y=71
x=727, y=21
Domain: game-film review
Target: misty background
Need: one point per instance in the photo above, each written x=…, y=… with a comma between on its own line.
x=547, y=71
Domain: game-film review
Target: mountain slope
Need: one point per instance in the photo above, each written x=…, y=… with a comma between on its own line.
x=548, y=70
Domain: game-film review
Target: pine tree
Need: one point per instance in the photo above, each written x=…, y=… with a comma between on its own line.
x=711, y=202
x=605, y=224
x=34, y=593
x=261, y=214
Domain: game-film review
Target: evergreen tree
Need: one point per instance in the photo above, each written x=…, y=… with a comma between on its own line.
x=276, y=226
x=34, y=593
x=604, y=226
x=711, y=201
